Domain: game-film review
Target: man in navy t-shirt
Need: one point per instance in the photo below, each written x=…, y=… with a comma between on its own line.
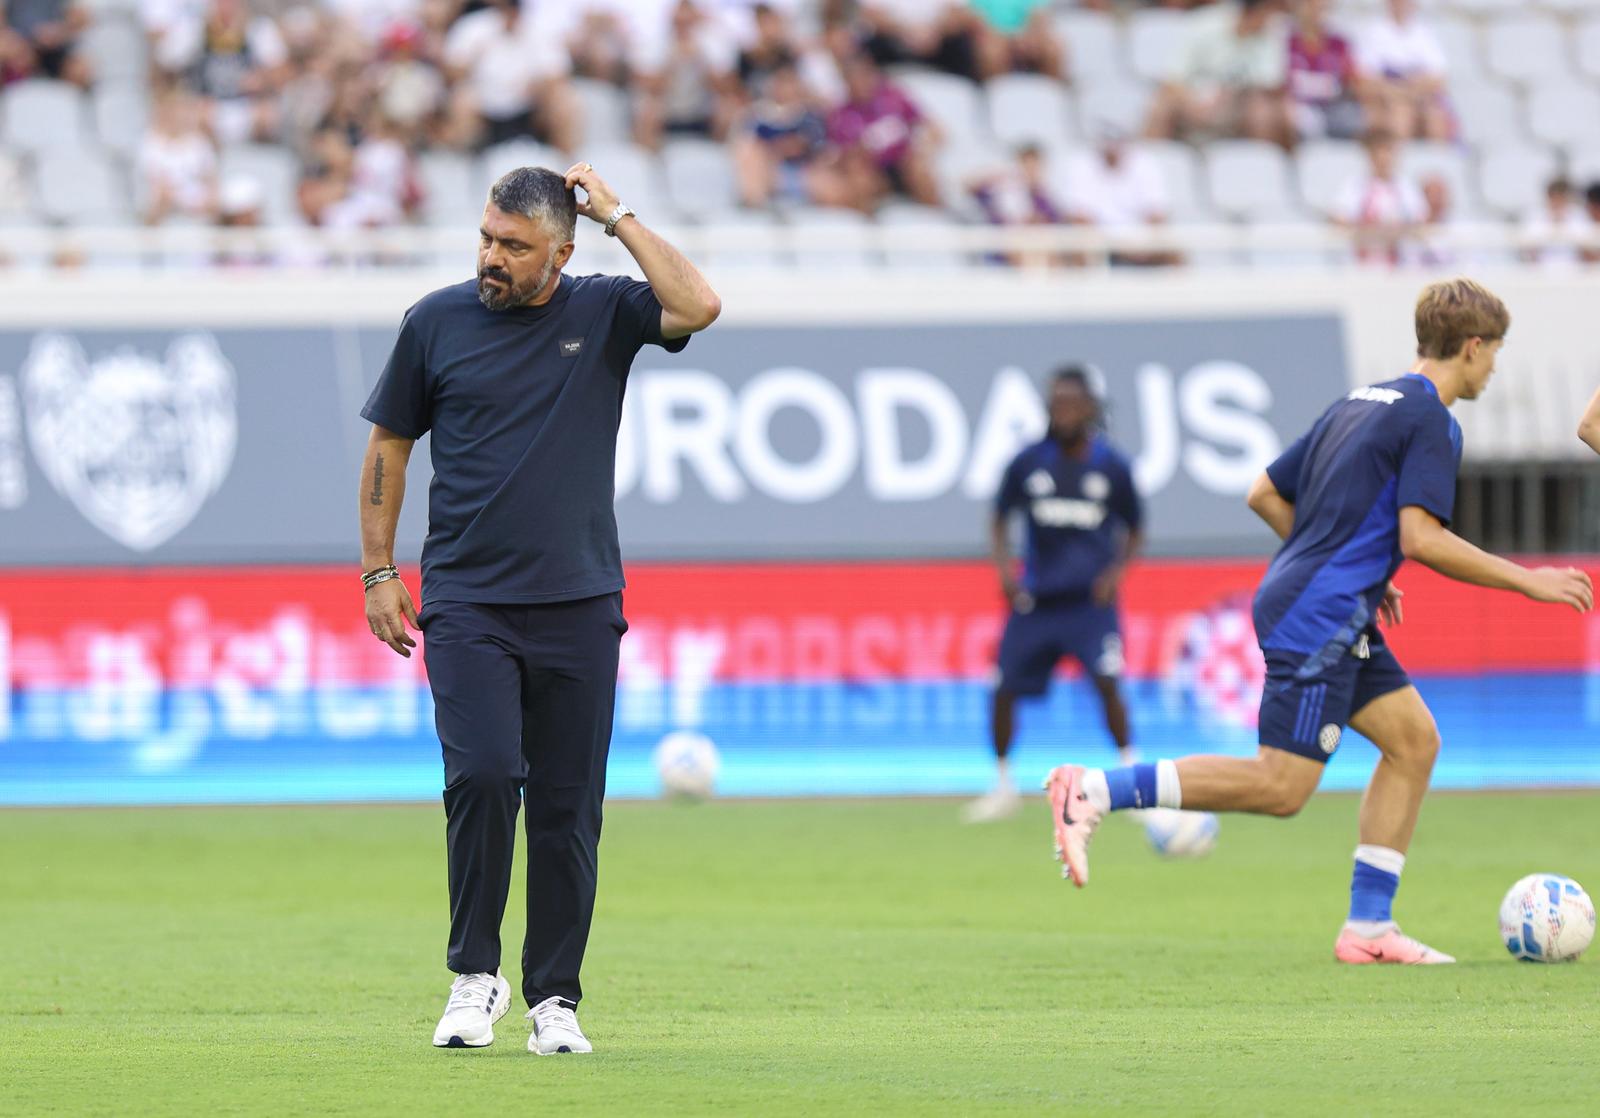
x=519, y=376
x=1370, y=485
x=1083, y=519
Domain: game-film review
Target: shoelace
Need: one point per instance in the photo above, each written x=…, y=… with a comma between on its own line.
x=471, y=991
x=550, y=1013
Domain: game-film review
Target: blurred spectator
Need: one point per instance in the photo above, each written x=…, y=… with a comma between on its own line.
x=774, y=48
x=512, y=75
x=324, y=175
x=1230, y=76
x=781, y=155
x=409, y=88
x=240, y=206
x=1117, y=188
x=1591, y=208
x=691, y=89
x=1021, y=195
x=1403, y=66
x=372, y=20
x=1433, y=248
x=177, y=163
x=1020, y=37
x=235, y=61
x=606, y=38
x=883, y=138
x=39, y=38
x=383, y=169
x=944, y=34
x=1555, y=233
x=1322, y=77
x=1380, y=207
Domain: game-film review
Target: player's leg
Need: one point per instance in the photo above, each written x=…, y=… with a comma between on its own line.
x=1093, y=636
x=1028, y=655
x=477, y=709
x=1302, y=710
x=1393, y=716
x=571, y=661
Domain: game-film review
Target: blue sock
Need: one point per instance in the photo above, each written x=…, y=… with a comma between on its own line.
x=1372, y=892
x=1132, y=786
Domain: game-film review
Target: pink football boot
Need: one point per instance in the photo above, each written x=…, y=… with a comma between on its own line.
x=1393, y=946
x=1075, y=820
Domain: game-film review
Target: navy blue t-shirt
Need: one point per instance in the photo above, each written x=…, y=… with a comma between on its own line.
x=524, y=407
x=1373, y=453
x=1077, y=508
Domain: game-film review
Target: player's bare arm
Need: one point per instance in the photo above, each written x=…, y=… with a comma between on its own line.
x=1005, y=563
x=383, y=487
x=1110, y=580
x=1267, y=503
x=1429, y=542
x=688, y=304
x=1589, y=425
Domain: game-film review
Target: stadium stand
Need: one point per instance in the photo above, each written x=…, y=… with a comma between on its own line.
x=310, y=106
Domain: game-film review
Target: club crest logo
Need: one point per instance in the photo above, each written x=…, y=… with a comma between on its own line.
x=136, y=443
x=1040, y=484
x=1096, y=486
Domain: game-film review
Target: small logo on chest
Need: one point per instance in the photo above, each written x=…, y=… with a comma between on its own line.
x=571, y=347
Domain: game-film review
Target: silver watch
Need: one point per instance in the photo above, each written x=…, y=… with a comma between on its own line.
x=622, y=211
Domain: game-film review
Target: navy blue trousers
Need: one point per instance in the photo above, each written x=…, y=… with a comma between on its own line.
x=524, y=696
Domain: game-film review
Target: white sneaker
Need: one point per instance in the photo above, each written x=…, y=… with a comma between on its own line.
x=1001, y=803
x=476, y=1002
x=555, y=1029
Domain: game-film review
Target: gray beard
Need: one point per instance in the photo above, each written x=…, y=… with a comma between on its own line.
x=513, y=295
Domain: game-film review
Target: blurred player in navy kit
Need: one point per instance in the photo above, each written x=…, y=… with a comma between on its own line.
x=1083, y=527
x=519, y=375
x=1373, y=483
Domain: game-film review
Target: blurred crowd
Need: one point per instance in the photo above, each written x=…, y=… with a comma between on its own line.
x=803, y=92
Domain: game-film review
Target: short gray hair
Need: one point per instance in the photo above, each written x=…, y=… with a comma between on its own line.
x=541, y=194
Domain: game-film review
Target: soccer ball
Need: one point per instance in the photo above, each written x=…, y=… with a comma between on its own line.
x=1181, y=834
x=687, y=763
x=1546, y=918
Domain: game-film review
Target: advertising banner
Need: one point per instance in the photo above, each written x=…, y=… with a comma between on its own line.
x=264, y=684
x=242, y=445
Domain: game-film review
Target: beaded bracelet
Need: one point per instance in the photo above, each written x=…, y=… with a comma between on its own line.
x=369, y=579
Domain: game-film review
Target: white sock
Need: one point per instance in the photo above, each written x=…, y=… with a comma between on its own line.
x=1002, y=775
x=1370, y=929
x=1094, y=786
x=1168, y=793
x=1129, y=756
x=1381, y=858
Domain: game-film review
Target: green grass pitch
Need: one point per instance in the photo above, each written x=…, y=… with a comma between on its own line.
x=870, y=957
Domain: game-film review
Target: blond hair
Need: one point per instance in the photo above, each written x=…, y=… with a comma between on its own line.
x=1452, y=311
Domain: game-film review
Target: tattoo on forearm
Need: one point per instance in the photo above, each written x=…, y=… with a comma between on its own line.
x=377, y=481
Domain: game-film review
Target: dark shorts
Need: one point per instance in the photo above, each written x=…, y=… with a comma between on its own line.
x=1035, y=642
x=1308, y=700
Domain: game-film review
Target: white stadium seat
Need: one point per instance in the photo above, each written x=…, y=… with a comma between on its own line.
x=923, y=254
x=453, y=197
x=699, y=176
x=1488, y=113
x=121, y=114
x=500, y=158
x=115, y=47
x=605, y=111
x=632, y=172
x=15, y=206
x=1571, y=7
x=273, y=167
x=1323, y=167
x=1249, y=180
x=1583, y=165
x=1181, y=172
x=751, y=239
x=1512, y=179
x=1030, y=108
x=950, y=102
x=38, y=114
x=1588, y=48
x=80, y=186
x=1526, y=48
x=829, y=238
x=1155, y=37
x=957, y=163
x=1489, y=7
x=1564, y=112
x=1094, y=45
x=1124, y=104
x=1463, y=48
